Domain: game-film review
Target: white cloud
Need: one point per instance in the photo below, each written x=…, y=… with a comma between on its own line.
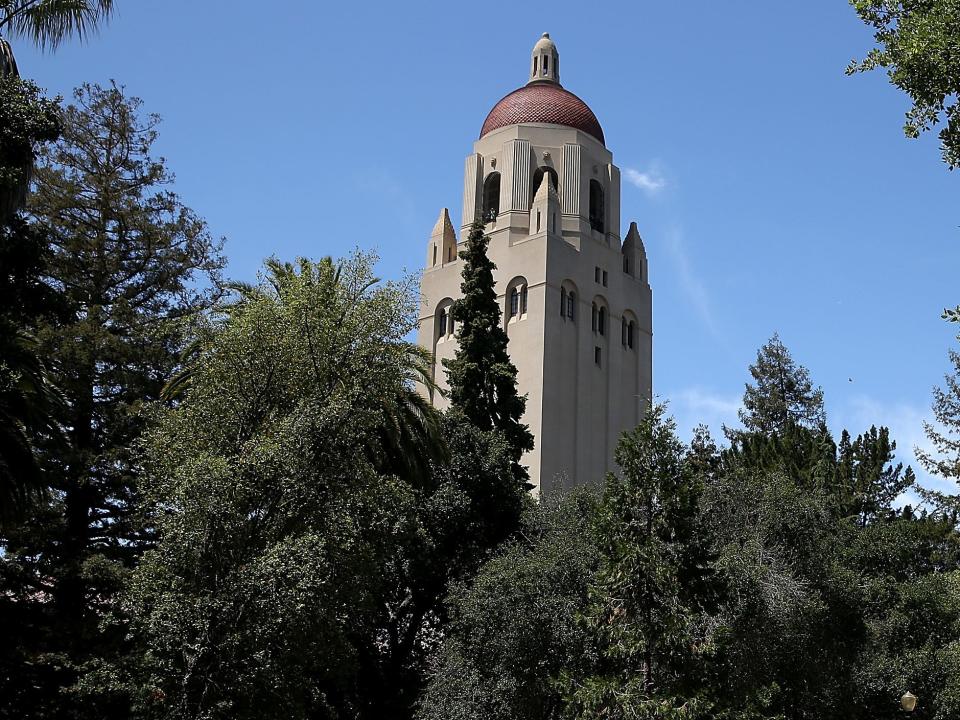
x=694, y=405
x=651, y=181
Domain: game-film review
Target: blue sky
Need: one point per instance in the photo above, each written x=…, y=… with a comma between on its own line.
x=773, y=193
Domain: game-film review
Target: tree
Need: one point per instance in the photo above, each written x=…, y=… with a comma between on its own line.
x=27, y=398
x=945, y=438
x=655, y=580
x=49, y=22
x=514, y=629
x=27, y=120
x=131, y=265
x=292, y=571
x=483, y=380
x=917, y=46
x=783, y=394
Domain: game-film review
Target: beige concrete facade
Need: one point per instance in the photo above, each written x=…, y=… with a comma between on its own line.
x=581, y=336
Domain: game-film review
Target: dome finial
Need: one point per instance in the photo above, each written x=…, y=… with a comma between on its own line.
x=545, y=61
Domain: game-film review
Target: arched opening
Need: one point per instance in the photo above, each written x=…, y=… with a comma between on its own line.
x=538, y=178
x=516, y=299
x=491, y=197
x=629, y=332
x=596, y=206
x=444, y=320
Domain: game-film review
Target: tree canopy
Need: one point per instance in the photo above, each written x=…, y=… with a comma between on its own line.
x=917, y=46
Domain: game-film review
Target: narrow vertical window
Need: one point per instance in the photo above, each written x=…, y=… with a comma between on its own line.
x=546, y=64
x=563, y=302
x=523, y=300
x=623, y=331
x=538, y=221
x=593, y=320
x=514, y=302
x=640, y=269
x=604, y=278
x=626, y=264
x=572, y=305
x=630, y=335
x=596, y=355
x=434, y=254
x=442, y=330
x=596, y=274
x=602, y=321
x=534, y=66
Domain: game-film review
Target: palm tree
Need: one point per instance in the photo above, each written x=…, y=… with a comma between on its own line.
x=409, y=438
x=48, y=23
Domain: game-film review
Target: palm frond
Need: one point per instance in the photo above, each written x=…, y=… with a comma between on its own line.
x=49, y=22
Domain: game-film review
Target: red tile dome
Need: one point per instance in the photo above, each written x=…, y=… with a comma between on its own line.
x=543, y=102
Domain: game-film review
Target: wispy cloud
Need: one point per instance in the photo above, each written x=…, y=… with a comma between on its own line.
x=690, y=282
x=650, y=181
x=693, y=406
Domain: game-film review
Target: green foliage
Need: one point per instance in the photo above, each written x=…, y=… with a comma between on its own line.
x=483, y=379
x=918, y=48
x=49, y=22
x=945, y=437
x=654, y=580
x=27, y=119
x=301, y=570
x=783, y=394
x=26, y=397
x=129, y=265
x=514, y=629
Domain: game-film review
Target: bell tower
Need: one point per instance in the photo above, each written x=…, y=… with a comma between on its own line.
x=574, y=296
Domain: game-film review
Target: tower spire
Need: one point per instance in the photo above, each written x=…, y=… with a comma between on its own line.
x=545, y=61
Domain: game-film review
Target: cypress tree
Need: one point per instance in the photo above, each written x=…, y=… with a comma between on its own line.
x=482, y=378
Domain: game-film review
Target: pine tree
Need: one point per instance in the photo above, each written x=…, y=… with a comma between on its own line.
x=130, y=264
x=655, y=580
x=783, y=394
x=482, y=378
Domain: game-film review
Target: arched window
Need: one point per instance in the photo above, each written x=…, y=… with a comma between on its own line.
x=563, y=302
x=602, y=321
x=594, y=318
x=444, y=320
x=572, y=305
x=516, y=308
x=491, y=197
x=629, y=331
x=538, y=179
x=596, y=206
x=623, y=331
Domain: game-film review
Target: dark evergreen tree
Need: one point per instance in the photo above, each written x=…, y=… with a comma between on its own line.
x=27, y=120
x=654, y=583
x=782, y=394
x=131, y=264
x=482, y=378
